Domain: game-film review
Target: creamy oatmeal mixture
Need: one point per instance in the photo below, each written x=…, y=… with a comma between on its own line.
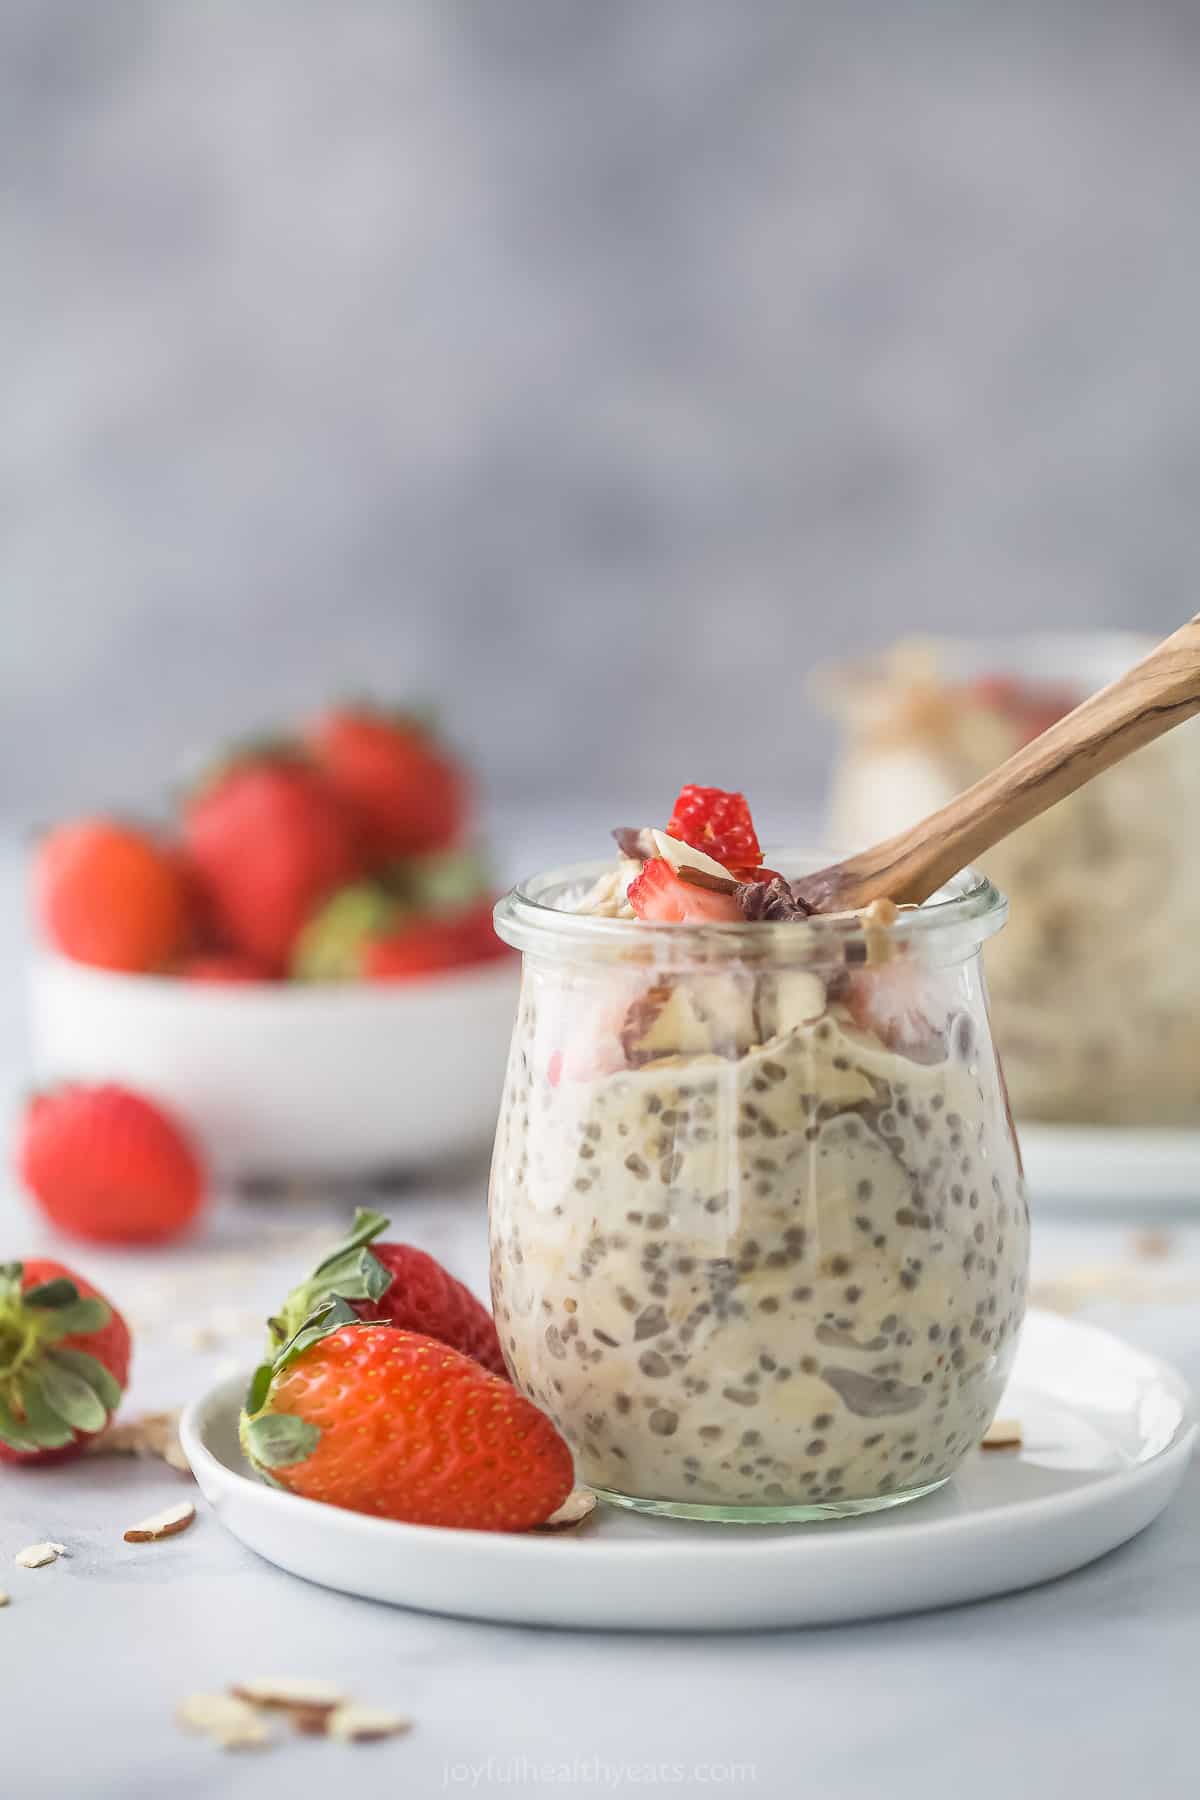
x=744, y=1252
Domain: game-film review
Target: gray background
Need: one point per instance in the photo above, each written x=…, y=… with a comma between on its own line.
x=596, y=367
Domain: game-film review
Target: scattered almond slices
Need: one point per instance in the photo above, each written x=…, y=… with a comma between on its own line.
x=364, y=1724
x=154, y=1434
x=578, y=1506
x=290, y=1693
x=316, y=1709
x=168, y=1523
x=1002, y=1434
x=231, y=1723
x=39, y=1556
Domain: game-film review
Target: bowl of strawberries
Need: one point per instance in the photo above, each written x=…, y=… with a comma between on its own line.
x=300, y=966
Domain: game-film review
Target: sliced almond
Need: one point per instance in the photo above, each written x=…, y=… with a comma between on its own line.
x=168, y=1523
x=579, y=1505
x=288, y=1693
x=364, y=1724
x=685, y=856
x=310, y=1721
x=228, y=1721
x=4, y=1598
x=37, y=1556
x=1002, y=1434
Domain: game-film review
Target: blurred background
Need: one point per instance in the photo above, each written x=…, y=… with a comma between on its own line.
x=594, y=369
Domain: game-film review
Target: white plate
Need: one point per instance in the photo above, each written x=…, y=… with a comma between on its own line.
x=1108, y=1433
x=290, y=1078
x=1130, y=1168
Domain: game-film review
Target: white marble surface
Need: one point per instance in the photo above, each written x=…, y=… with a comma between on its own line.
x=1088, y=1681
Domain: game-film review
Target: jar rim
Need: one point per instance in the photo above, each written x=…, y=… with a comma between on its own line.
x=968, y=909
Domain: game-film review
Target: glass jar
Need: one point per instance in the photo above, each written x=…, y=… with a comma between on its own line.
x=759, y=1235
x=1098, y=1020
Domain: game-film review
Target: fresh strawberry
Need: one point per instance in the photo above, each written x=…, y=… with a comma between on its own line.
x=105, y=1164
x=408, y=794
x=757, y=872
x=64, y=1362
x=109, y=895
x=658, y=893
x=420, y=948
x=270, y=840
x=393, y=1284
x=902, y=1003
x=333, y=944
x=718, y=822
x=223, y=965
x=396, y=1424
x=476, y=933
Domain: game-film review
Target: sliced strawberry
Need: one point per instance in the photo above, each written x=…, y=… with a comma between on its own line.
x=716, y=821
x=904, y=1005
x=660, y=895
x=759, y=873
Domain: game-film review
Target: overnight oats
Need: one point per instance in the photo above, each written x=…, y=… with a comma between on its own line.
x=759, y=1235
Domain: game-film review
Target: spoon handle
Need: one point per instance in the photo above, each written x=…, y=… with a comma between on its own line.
x=1156, y=694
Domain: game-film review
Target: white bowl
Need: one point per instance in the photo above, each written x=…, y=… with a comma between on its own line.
x=290, y=1078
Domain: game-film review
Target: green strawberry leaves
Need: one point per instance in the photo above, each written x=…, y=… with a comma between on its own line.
x=274, y=1439
x=49, y=1392
x=70, y=1395
x=330, y=1316
x=443, y=881
x=317, y=1307
x=365, y=1229
x=41, y=1418
x=70, y=1315
x=59, y=1292
x=349, y=1272
x=278, y=1439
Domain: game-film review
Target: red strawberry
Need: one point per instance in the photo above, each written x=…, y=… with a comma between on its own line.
x=107, y=894
x=393, y=1284
x=64, y=1362
x=718, y=822
x=903, y=1004
x=408, y=795
x=105, y=1164
x=223, y=965
x=431, y=946
x=395, y=1424
x=658, y=893
x=270, y=840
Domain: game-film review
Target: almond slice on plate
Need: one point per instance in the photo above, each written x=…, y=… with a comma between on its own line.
x=579, y=1505
x=1002, y=1434
x=364, y=1724
x=228, y=1721
x=290, y=1693
x=168, y=1523
x=4, y=1598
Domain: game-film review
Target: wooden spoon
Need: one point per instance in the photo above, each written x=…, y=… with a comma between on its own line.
x=1158, y=693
